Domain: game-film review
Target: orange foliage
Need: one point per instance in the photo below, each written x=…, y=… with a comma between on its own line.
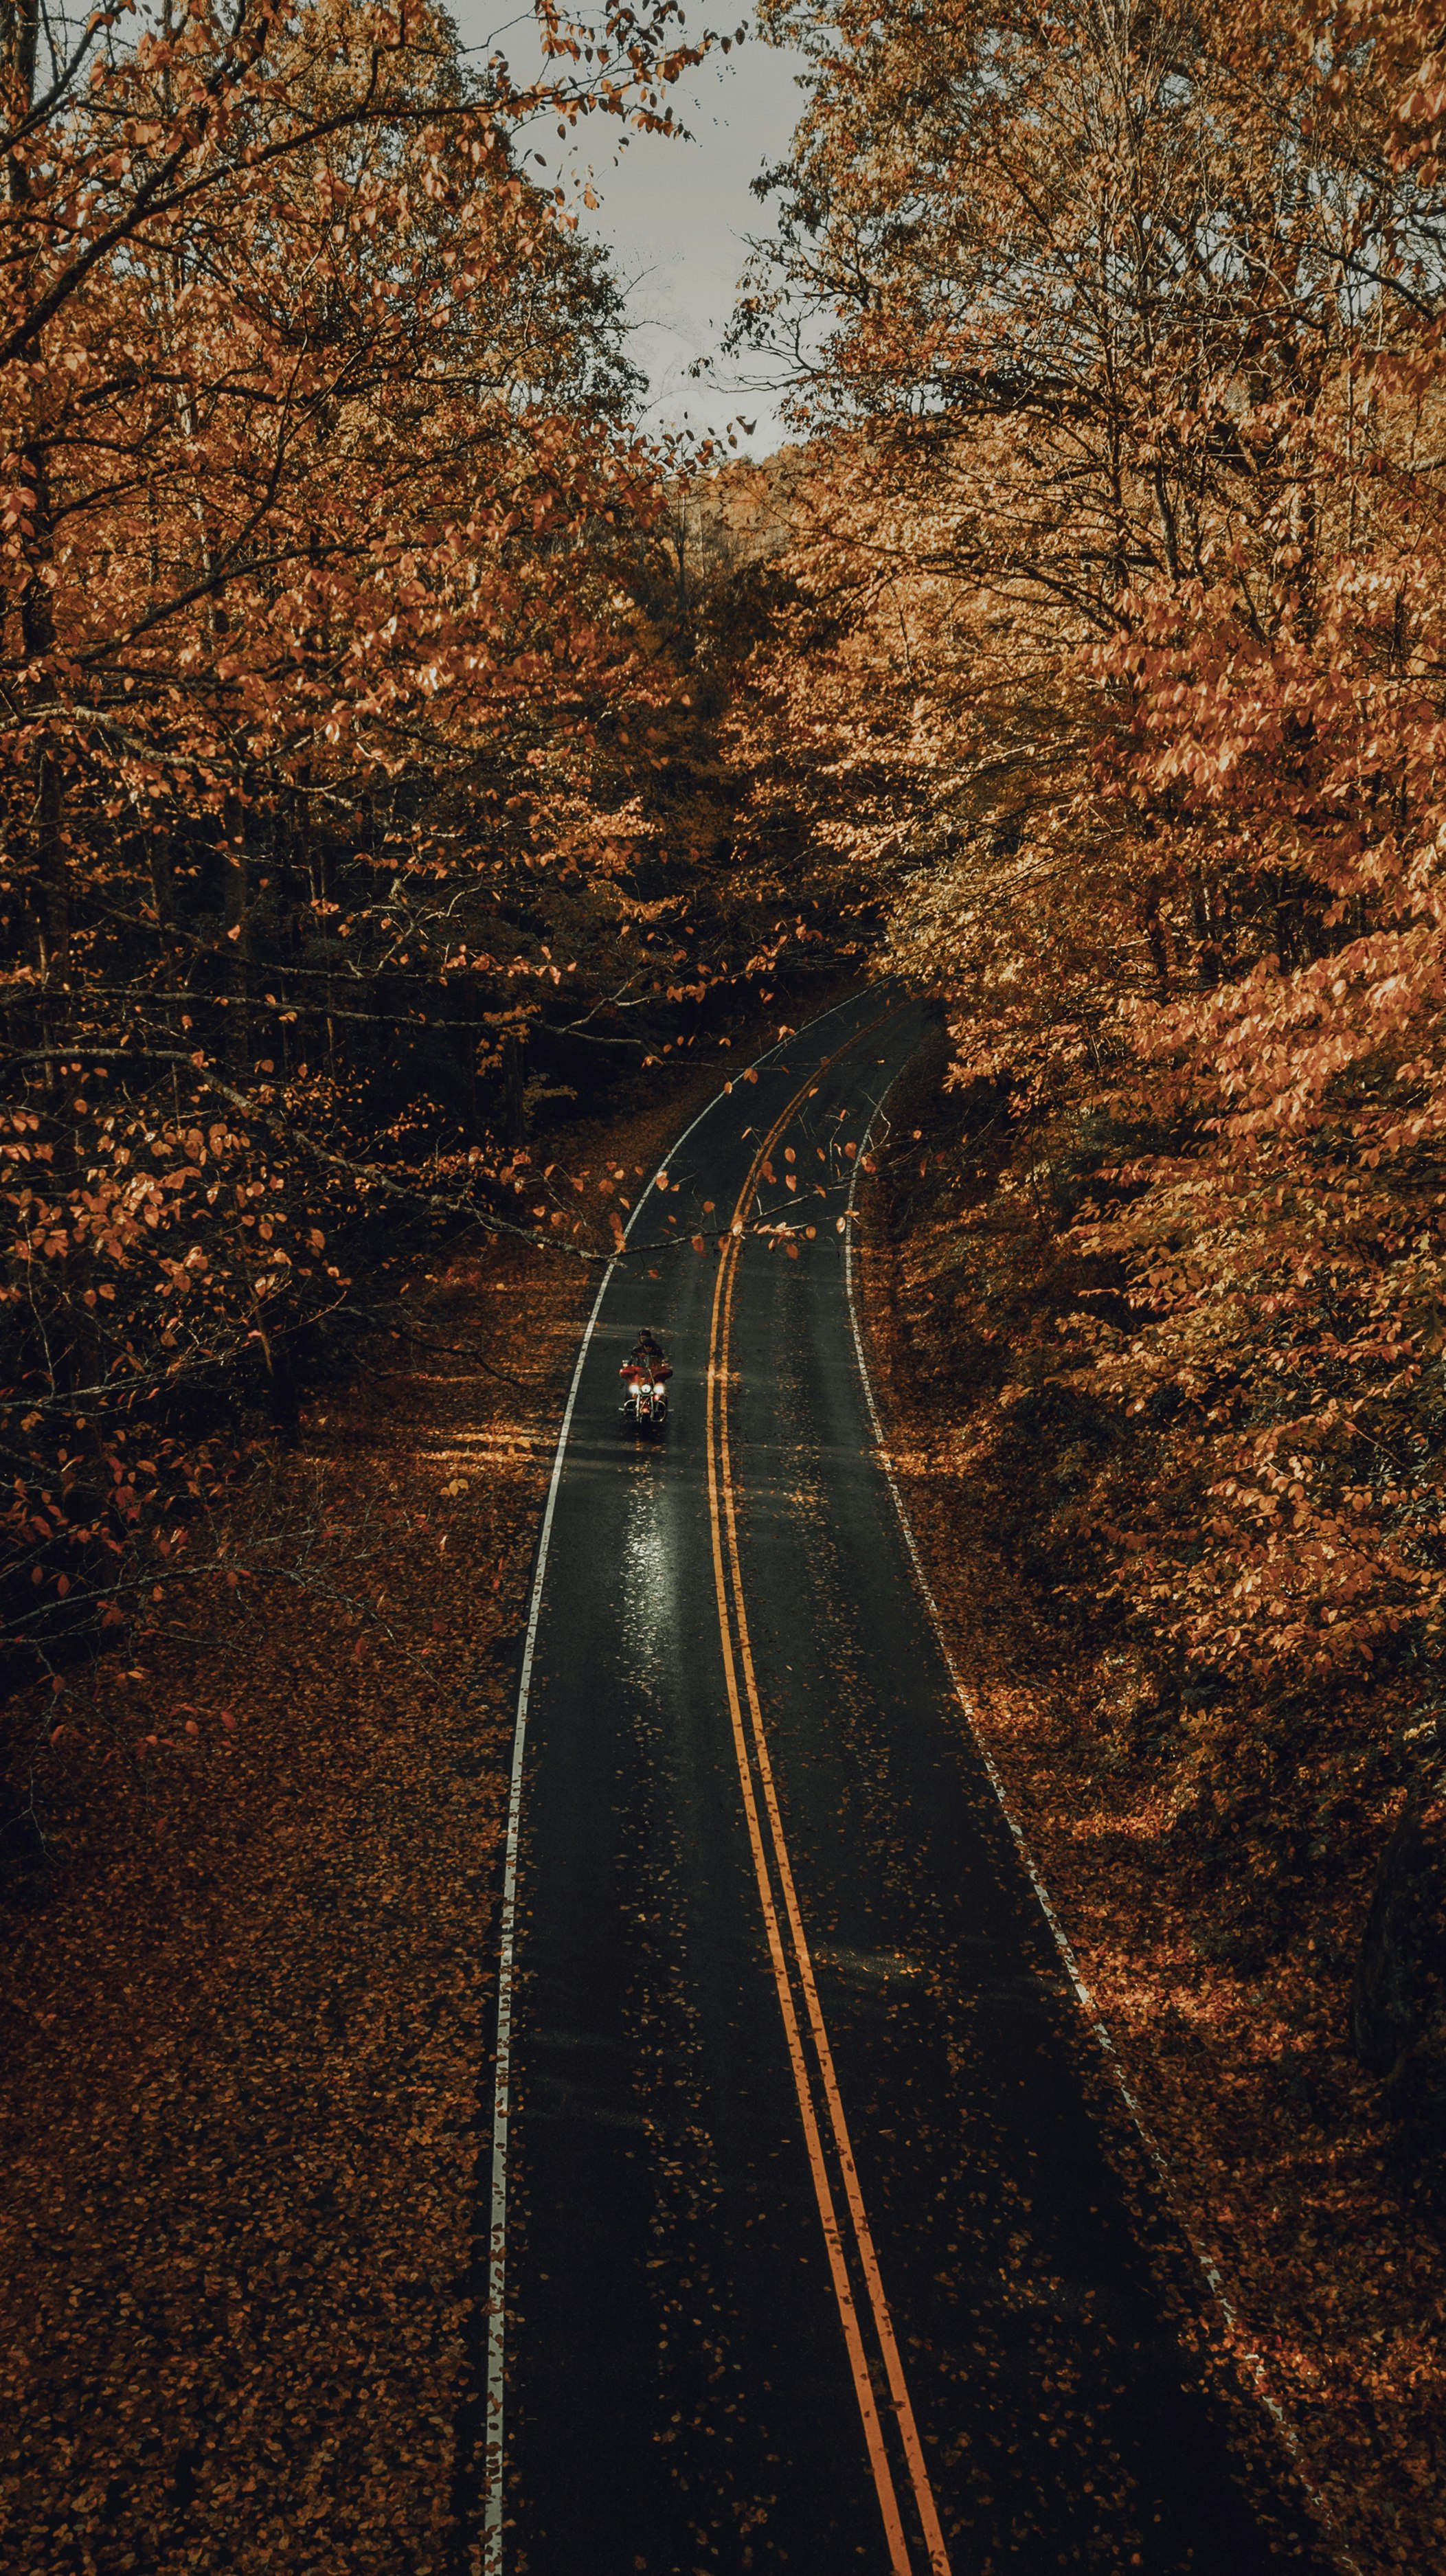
x=1120, y=580
x=331, y=719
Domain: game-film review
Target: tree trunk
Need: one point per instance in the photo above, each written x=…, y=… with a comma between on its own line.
x=514, y=1098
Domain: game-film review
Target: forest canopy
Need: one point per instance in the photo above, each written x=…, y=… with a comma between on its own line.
x=1113, y=662
x=341, y=746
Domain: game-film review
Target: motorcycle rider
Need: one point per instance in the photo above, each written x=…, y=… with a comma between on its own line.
x=647, y=1359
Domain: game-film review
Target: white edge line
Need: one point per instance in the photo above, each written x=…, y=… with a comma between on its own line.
x=507, y=1946
x=1088, y=2006
x=502, y=2080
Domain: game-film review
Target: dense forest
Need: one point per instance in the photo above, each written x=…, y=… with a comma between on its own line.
x=1136, y=561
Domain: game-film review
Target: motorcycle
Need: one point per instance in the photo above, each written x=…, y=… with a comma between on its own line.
x=645, y=1403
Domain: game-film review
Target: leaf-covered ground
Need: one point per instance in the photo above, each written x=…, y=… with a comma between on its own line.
x=1236, y=2044
x=247, y=2003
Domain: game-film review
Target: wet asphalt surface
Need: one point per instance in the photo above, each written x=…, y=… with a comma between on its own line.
x=678, y=2391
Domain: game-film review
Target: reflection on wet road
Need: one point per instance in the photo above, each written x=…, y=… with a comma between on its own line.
x=648, y=1572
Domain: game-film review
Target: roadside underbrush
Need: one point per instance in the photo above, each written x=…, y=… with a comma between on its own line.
x=1217, y=1846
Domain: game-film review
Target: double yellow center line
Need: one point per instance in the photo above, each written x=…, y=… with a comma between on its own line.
x=851, y=2254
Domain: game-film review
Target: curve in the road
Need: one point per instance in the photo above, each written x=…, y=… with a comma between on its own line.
x=816, y=2242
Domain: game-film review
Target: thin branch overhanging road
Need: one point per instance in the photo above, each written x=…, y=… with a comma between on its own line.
x=817, y=2241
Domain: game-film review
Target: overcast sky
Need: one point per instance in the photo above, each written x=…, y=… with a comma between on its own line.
x=675, y=214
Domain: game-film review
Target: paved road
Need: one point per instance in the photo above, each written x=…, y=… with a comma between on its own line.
x=826, y=2245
